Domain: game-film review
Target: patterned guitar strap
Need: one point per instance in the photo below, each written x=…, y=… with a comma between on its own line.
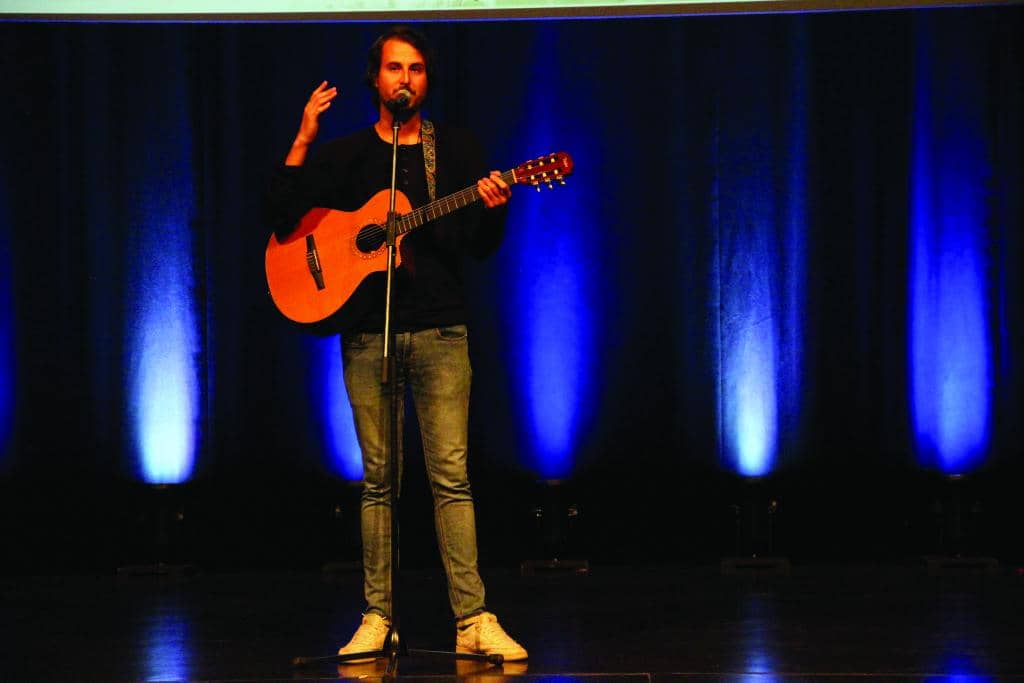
x=429, y=159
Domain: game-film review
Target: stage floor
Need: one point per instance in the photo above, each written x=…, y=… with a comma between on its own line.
x=621, y=623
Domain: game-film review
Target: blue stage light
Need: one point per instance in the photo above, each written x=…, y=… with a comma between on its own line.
x=760, y=270
x=162, y=334
x=550, y=260
x=750, y=397
x=552, y=325
x=748, y=347
x=163, y=343
x=6, y=329
x=330, y=399
x=950, y=345
x=556, y=338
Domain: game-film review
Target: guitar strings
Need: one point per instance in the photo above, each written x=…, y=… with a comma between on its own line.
x=457, y=200
x=445, y=205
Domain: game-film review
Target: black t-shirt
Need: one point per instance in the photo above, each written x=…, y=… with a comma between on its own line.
x=345, y=173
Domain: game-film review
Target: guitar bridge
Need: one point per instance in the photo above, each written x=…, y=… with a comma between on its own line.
x=313, y=261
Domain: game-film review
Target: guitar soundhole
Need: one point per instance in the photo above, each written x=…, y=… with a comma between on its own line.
x=370, y=239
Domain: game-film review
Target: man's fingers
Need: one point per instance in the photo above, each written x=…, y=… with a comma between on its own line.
x=500, y=186
x=494, y=191
x=320, y=103
x=320, y=100
x=323, y=93
x=325, y=96
x=500, y=183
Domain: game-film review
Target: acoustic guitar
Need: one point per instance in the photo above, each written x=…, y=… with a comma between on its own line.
x=313, y=274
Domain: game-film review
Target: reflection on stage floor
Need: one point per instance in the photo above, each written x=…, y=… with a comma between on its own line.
x=613, y=624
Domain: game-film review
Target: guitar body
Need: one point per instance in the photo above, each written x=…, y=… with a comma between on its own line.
x=343, y=266
x=316, y=275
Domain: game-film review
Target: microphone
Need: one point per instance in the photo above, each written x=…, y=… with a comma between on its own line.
x=400, y=101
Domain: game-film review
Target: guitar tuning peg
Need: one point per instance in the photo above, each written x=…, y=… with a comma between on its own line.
x=561, y=181
x=537, y=185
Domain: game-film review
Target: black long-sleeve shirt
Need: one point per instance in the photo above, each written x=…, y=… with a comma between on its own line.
x=345, y=173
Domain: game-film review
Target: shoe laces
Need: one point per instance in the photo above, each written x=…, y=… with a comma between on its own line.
x=490, y=628
x=370, y=631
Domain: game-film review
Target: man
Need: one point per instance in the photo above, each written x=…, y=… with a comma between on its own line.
x=431, y=339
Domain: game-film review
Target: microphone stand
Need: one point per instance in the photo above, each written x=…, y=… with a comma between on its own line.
x=394, y=646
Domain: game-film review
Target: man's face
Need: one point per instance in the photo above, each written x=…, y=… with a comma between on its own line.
x=401, y=66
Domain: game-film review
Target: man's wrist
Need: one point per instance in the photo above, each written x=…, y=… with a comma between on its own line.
x=297, y=153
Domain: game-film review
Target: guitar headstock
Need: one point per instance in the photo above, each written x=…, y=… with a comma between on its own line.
x=549, y=169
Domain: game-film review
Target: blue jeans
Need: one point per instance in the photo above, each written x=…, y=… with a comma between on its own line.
x=433, y=365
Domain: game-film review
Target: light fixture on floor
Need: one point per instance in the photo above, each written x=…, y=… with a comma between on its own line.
x=958, y=524
x=755, y=520
x=556, y=517
x=160, y=531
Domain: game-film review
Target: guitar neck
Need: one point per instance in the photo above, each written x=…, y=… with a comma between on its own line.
x=444, y=206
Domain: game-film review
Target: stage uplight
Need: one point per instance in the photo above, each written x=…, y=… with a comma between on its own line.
x=163, y=343
x=759, y=271
x=751, y=410
x=549, y=260
x=556, y=517
x=555, y=354
x=165, y=389
x=748, y=347
x=950, y=345
x=162, y=334
x=329, y=398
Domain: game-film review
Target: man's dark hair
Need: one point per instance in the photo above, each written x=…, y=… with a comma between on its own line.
x=406, y=34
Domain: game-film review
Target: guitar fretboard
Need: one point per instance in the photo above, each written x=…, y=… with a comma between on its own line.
x=443, y=206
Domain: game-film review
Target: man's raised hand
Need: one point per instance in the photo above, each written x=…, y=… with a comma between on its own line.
x=318, y=103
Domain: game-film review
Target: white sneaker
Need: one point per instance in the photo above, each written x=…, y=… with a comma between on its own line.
x=482, y=634
x=369, y=637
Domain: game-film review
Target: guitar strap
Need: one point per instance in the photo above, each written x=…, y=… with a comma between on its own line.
x=429, y=157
